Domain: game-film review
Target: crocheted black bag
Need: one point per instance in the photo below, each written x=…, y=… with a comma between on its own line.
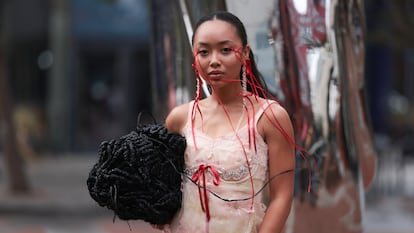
x=138, y=176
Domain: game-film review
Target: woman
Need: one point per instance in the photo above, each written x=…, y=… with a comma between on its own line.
x=237, y=141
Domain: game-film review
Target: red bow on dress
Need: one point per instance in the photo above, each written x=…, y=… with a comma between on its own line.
x=199, y=177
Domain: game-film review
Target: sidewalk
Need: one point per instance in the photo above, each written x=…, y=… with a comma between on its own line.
x=393, y=211
x=390, y=215
x=60, y=201
x=58, y=187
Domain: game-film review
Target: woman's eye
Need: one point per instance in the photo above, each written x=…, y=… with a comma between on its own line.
x=227, y=50
x=203, y=52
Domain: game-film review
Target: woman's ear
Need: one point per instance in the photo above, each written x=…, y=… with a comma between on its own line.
x=246, y=52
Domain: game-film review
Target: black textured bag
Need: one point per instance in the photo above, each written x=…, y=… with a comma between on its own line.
x=138, y=176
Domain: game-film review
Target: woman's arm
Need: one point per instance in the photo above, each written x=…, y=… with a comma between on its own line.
x=176, y=119
x=174, y=122
x=281, y=158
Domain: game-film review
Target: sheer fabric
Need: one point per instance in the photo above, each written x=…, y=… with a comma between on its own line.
x=225, y=154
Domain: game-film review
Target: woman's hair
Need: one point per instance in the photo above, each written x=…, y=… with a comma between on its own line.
x=241, y=31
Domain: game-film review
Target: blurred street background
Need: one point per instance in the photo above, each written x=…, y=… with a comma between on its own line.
x=76, y=72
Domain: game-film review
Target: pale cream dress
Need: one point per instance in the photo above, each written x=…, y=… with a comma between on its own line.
x=225, y=155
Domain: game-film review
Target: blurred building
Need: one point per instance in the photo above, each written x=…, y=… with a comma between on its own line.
x=79, y=69
x=390, y=76
x=389, y=65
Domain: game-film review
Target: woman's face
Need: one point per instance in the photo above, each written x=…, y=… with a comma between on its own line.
x=218, y=52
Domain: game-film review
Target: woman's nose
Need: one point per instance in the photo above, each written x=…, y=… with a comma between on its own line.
x=215, y=59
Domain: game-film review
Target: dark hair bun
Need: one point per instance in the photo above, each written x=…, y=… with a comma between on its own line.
x=138, y=176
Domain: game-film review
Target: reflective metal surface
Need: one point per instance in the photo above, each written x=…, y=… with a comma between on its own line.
x=318, y=51
x=311, y=53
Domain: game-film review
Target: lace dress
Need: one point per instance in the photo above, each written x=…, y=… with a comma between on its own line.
x=223, y=161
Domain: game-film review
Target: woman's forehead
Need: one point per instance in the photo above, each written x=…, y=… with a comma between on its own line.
x=216, y=31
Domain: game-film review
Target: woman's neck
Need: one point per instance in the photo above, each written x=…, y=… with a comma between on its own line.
x=228, y=96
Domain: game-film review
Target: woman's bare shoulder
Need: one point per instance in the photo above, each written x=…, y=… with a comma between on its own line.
x=177, y=118
x=278, y=109
x=275, y=116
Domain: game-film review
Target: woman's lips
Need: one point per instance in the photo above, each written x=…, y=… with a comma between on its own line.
x=215, y=75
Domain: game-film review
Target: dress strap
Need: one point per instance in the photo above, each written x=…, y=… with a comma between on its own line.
x=189, y=114
x=263, y=108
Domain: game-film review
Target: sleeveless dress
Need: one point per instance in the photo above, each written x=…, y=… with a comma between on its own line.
x=222, y=160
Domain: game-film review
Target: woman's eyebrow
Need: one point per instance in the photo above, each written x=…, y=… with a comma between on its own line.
x=201, y=43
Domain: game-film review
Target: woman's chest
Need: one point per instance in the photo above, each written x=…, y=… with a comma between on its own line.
x=230, y=159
